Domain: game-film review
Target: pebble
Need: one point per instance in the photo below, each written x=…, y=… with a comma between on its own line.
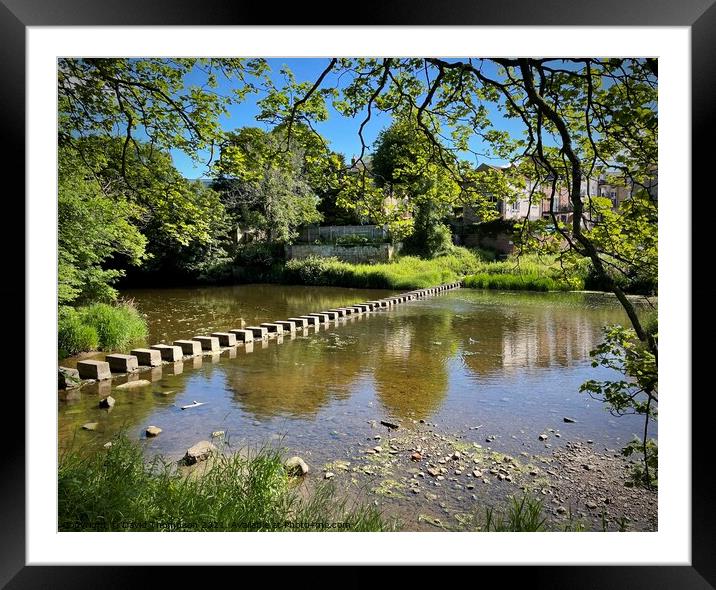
x=329, y=475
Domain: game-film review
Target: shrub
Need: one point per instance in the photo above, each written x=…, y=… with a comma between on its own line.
x=117, y=326
x=99, y=326
x=73, y=336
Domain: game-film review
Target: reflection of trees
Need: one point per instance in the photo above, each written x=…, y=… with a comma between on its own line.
x=301, y=378
x=183, y=313
x=411, y=373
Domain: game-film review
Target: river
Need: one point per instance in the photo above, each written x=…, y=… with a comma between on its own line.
x=498, y=364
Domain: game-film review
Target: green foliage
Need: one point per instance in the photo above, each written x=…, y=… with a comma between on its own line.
x=621, y=351
x=523, y=514
x=119, y=491
x=407, y=272
x=646, y=472
x=99, y=326
x=73, y=335
x=530, y=273
x=92, y=227
x=269, y=188
x=149, y=97
x=636, y=393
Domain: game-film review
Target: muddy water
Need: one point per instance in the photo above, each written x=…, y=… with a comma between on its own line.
x=478, y=363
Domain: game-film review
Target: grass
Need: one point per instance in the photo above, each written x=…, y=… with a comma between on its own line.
x=117, y=490
x=407, y=272
x=528, y=273
x=99, y=326
x=526, y=514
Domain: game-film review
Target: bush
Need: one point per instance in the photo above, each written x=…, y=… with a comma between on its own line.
x=73, y=336
x=117, y=491
x=117, y=326
x=99, y=326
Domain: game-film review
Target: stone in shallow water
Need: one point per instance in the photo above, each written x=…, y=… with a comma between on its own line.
x=153, y=431
x=67, y=378
x=134, y=384
x=296, y=466
x=90, y=426
x=199, y=452
x=107, y=402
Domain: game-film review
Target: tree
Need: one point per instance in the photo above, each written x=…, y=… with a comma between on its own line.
x=582, y=119
x=267, y=187
x=92, y=227
x=118, y=119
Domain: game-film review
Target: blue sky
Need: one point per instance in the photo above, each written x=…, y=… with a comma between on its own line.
x=341, y=132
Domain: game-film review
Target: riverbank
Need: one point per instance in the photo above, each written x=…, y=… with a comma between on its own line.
x=432, y=479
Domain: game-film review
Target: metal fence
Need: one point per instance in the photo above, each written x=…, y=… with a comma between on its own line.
x=330, y=233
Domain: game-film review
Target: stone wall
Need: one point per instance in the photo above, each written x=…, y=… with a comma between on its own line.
x=366, y=253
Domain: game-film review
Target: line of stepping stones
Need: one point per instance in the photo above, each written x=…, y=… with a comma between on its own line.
x=179, y=350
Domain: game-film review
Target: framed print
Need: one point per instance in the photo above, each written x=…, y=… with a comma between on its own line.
x=390, y=385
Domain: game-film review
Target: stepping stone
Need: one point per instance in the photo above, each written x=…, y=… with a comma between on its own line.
x=210, y=343
x=189, y=347
x=300, y=322
x=311, y=319
x=243, y=335
x=272, y=328
x=287, y=325
x=168, y=353
x=148, y=357
x=259, y=332
x=122, y=363
x=91, y=369
x=225, y=338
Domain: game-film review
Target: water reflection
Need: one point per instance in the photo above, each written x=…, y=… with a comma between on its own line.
x=437, y=356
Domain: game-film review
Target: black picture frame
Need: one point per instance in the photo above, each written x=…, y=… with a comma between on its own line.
x=699, y=15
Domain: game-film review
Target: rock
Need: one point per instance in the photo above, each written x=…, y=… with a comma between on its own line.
x=534, y=472
x=328, y=475
x=416, y=457
x=217, y=433
x=542, y=437
x=456, y=455
x=107, y=445
x=296, y=466
x=90, y=426
x=569, y=420
x=415, y=490
x=590, y=441
x=199, y=452
x=390, y=425
x=432, y=471
x=134, y=384
x=591, y=505
x=378, y=449
x=107, y=402
x=152, y=431
x=458, y=472
x=431, y=497
x=561, y=509
x=477, y=473
x=68, y=378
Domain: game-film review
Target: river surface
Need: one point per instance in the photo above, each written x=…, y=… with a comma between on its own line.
x=478, y=363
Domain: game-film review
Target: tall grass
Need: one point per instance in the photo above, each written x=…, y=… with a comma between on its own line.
x=119, y=491
x=407, y=272
x=99, y=326
x=529, y=273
